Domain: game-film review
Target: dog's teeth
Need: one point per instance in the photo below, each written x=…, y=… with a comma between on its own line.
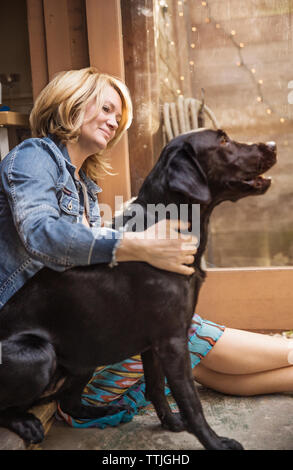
x=267, y=178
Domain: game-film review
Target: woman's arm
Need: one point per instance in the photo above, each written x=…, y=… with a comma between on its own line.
x=30, y=178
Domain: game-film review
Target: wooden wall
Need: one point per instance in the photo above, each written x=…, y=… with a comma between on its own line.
x=173, y=48
x=255, y=231
x=58, y=38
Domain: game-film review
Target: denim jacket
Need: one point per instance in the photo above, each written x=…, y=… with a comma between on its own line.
x=41, y=207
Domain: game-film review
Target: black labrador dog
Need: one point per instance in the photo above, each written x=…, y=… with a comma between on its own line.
x=60, y=326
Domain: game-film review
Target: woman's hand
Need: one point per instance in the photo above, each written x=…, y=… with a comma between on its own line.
x=162, y=246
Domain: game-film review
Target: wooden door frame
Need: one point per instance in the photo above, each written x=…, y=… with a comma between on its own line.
x=106, y=53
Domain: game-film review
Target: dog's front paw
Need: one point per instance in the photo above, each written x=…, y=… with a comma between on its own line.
x=230, y=444
x=28, y=427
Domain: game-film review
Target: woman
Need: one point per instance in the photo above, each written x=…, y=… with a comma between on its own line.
x=49, y=216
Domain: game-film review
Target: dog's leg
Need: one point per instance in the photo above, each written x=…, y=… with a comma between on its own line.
x=70, y=400
x=175, y=361
x=155, y=392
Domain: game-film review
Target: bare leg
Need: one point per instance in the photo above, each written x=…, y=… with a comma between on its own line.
x=245, y=363
x=272, y=381
x=243, y=352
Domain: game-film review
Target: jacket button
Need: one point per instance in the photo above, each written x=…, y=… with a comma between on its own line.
x=69, y=205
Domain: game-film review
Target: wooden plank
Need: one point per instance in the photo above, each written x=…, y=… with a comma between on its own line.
x=105, y=36
x=44, y=412
x=181, y=38
x=37, y=43
x=78, y=34
x=224, y=56
x=251, y=299
x=242, y=10
x=232, y=75
x=53, y=23
x=250, y=30
x=57, y=36
x=141, y=67
x=11, y=118
x=106, y=53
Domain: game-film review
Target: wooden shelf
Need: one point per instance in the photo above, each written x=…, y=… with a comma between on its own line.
x=11, y=118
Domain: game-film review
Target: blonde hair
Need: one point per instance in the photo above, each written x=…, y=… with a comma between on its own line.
x=59, y=110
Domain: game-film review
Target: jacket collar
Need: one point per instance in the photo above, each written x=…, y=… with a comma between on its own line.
x=92, y=187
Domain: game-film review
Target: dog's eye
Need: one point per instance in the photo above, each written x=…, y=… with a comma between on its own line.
x=224, y=140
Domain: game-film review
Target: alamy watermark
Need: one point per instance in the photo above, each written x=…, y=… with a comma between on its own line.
x=153, y=221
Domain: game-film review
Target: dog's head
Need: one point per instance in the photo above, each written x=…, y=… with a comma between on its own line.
x=206, y=165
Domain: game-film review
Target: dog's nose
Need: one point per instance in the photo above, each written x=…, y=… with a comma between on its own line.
x=272, y=145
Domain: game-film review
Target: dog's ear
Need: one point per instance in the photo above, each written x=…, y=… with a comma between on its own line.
x=185, y=175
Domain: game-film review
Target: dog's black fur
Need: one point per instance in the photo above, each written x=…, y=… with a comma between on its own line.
x=66, y=324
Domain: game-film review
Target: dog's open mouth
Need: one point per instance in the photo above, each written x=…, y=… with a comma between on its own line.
x=259, y=182
x=253, y=183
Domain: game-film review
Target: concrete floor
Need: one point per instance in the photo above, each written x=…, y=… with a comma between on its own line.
x=259, y=423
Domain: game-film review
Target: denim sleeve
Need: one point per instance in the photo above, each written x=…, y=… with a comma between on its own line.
x=30, y=178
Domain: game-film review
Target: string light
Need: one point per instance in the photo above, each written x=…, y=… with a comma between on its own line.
x=240, y=63
x=192, y=45
x=180, y=13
